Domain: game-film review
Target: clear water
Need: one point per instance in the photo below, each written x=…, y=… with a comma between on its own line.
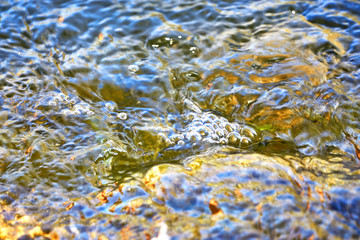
x=179, y=119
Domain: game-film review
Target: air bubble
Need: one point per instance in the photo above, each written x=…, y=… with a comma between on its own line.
x=196, y=123
x=220, y=132
x=122, y=116
x=164, y=139
x=72, y=101
x=208, y=131
x=189, y=116
x=81, y=108
x=229, y=127
x=245, y=142
x=234, y=138
x=133, y=68
x=176, y=137
x=110, y=106
x=249, y=132
x=63, y=97
x=218, y=122
x=193, y=136
x=215, y=137
x=208, y=140
x=210, y=128
x=202, y=132
x=207, y=121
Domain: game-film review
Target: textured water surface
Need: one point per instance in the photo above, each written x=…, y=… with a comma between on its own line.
x=179, y=119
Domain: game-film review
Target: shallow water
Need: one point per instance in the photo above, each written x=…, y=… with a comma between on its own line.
x=180, y=119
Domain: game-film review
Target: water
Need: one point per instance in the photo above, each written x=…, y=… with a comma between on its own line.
x=179, y=119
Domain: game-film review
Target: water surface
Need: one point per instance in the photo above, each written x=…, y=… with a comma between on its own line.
x=187, y=119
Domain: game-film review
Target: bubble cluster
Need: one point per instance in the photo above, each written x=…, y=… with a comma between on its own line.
x=194, y=128
x=61, y=99
x=80, y=108
x=209, y=128
x=68, y=104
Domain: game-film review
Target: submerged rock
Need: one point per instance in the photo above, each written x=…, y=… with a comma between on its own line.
x=222, y=195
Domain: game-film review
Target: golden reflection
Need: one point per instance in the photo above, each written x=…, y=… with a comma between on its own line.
x=133, y=206
x=238, y=194
x=152, y=177
x=271, y=79
x=273, y=68
x=61, y=19
x=230, y=103
x=102, y=197
x=69, y=206
x=19, y=226
x=316, y=74
x=263, y=60
x=332, y=37
x=229, y=76
x=101, y=37
x=214, y=207
x=280, y=119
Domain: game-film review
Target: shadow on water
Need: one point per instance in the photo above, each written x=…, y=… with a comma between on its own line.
x=184, y=119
